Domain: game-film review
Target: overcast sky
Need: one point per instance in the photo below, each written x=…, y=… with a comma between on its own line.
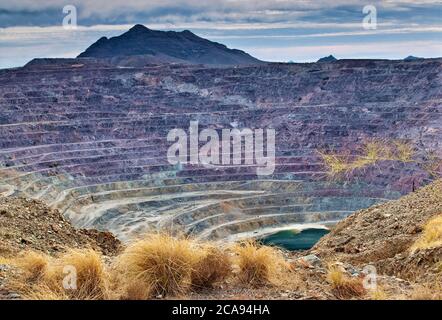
x=273, y=30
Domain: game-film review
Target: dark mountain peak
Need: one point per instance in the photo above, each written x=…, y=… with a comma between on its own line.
x=138, y=27
x=329, y=58
x=188, y=33
x=167, y=46
x=102, y=39
x=138, y=30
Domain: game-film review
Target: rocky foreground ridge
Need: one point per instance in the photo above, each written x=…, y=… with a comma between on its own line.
x=384, y=235
x=30, y=225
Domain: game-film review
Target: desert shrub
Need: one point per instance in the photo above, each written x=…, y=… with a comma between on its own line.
x=42, y=291
x=157, y=265
x=134, y=290
x=259, y=265
x=431, y=235
x=336, y=164
x=33, y=265
x=90, y=273
x=161, y=263
x=433, y=164
x=378, y=294
x=213, y=266
x=404, y=151
x=428, y=291
x=43, y=276
x=369, y=153
x=344, y=286
x=374, y=150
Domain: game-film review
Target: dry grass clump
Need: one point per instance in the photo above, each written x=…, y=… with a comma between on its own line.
x=433, y=164
x=160, y=263
x=91, y=273
x=33, y=265
x=343, y=286
x=213, y=266
x=134, y=290
x=45, y=292
x=431, y=236
x=370, y=152
x=336, y=164
x=259, y=265
x=4, y=261
x=378, y=294
x=428, y=291
x=79, y=274
x=403, y=151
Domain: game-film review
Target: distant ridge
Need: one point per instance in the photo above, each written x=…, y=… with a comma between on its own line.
x=329, y=58
x=167, y=46
x=412, y=58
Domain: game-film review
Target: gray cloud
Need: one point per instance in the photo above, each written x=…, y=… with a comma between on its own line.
x=92, y=12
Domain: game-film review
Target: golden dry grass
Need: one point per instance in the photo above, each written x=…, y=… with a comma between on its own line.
x=378, y=294
x=131, y=291
x=369, y=153
x=259, y=265
x=428, y=292
x=33, y=264
x=433, y=165
x=158, y=265
x=431, y=236
x=90, y=272
x=214, y=265
x=403, y=151
x=44, y=278
x=344, y=286
x=42, y=291
x=161, y=263
x=5, y=261
x=335, y=164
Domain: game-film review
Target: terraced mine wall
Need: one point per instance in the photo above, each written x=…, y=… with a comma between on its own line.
x=89, y=138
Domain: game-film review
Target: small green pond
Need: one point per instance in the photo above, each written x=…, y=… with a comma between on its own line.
x=294, y=239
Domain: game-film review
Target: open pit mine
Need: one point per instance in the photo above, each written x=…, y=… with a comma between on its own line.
x=88, y=136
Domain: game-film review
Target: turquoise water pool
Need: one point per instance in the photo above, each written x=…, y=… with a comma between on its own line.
x=295, y=240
